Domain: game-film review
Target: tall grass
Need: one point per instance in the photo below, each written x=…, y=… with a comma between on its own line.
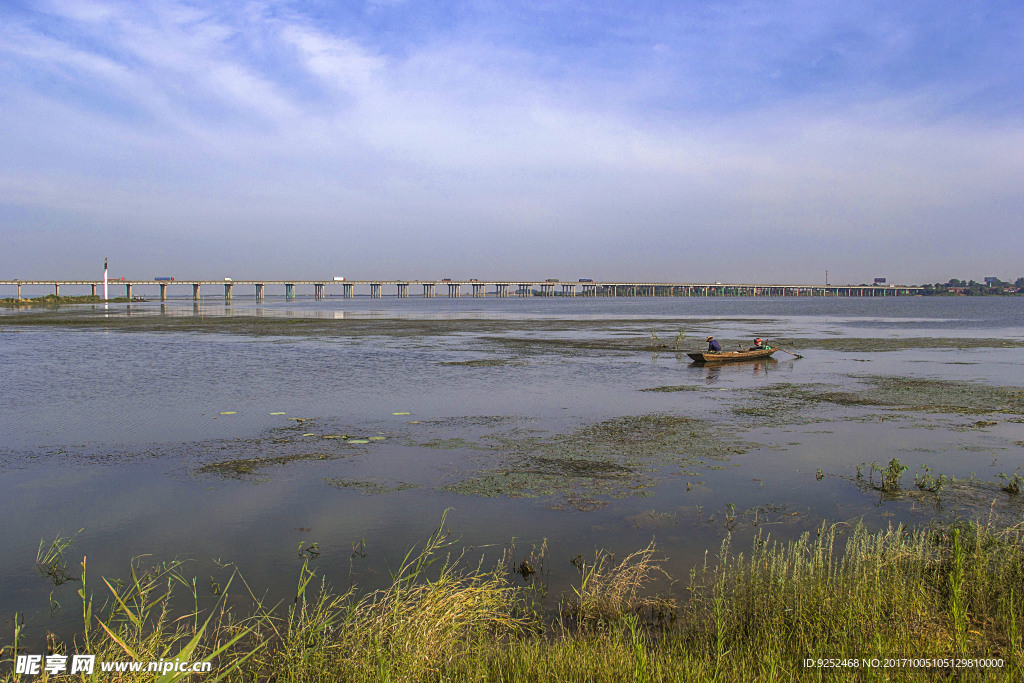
x=951, y=591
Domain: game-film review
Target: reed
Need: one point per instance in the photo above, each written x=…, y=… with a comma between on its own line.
x=941, y=591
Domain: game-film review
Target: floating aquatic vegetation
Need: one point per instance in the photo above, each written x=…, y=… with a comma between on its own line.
x=243, y=466
x=230, y=412
x=904, y=393
x=613, y=458
x=885, y=344
x=480, y=363
x=448, y=444
x=401, y=413
x=680, y=387
x=368, y=487
x=279, y=413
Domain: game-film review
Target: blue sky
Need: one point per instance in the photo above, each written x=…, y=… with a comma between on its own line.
x=686, y=141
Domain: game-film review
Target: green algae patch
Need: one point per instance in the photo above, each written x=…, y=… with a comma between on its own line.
x=620, y=457
x=240, y=467
x=884, y=344
x=480, y=363
x=675, y=388
x=368, y=487
x=448, y=444
x=902, y=393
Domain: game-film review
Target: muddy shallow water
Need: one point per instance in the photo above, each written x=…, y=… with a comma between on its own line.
x=246, y=432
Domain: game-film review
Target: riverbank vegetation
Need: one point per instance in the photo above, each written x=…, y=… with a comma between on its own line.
x=944, y=593
x=52, y=300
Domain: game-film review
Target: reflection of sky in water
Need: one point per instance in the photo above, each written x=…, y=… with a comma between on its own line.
x=99, y=428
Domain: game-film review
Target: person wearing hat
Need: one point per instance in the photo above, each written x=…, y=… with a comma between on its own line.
x=713, y=345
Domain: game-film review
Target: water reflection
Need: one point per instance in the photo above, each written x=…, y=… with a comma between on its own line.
x=715, y=373
x=93, y=419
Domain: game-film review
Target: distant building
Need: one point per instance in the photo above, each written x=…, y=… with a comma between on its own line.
x=991, y=281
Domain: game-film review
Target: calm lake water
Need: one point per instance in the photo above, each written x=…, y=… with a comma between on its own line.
x=113, y=431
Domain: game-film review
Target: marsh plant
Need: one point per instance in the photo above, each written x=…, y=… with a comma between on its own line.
x=1011, y=482
x=843, y=591
x=50, y=558
x=925, y=481
x=890, y=476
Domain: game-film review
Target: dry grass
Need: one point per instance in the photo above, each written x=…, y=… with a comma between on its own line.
x=943, y=592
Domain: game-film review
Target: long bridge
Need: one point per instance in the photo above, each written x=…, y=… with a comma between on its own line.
x=479, y=288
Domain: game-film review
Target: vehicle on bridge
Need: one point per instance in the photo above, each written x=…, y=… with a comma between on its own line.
x=162, y=278
x=586, y=279
x=338, y=278
x=552, y=279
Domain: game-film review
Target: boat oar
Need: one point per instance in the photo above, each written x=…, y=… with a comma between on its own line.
x=789, y=352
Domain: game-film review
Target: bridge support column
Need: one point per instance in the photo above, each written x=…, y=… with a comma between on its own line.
x=56, y=290
x=568, y=290
x=19, y=290
x=429, y=290
x=128, y=291
x=318, y=290
x=93, y=290
x=289, y=291
x=454, y=290
x=403, y=290
x=259, y=291
x=348, y=291
x=479, y=290
x=228, y=291
x=375, y=290
x=195, y=292
x=163, y=292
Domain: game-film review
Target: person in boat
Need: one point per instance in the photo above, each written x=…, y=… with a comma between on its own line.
x=713, y=345
x=758, y=345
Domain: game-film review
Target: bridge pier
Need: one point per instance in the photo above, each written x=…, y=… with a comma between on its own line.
x=479, y=290
x=375, y=290
x=318, y=291
x=228, y=291
x=429, y=290
x=163, y=292
x=195, y=292
x=289, y=291
x=403, y=290
x=93, y=291
x=19, y=290
x=128, y=291
x=56, y=289
x=568, y=290
x=454, y=290
x=259, y=291
x=525, y=289
x=348, y=291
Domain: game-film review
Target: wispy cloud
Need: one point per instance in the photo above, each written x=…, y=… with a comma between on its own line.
x=593, y=132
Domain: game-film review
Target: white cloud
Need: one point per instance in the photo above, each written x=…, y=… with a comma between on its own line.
x=239, y=124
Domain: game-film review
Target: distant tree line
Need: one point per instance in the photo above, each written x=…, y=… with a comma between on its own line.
x=989, y=287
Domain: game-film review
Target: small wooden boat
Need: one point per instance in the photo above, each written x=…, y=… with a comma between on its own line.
x=727, y=356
